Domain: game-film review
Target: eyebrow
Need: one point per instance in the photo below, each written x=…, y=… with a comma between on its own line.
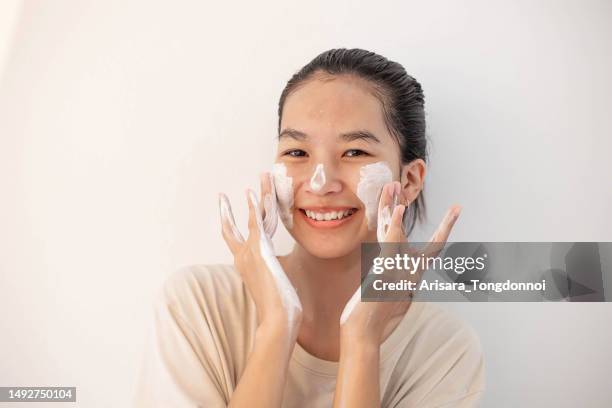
x=292, y=133
x=347, y=136
x=364, y=135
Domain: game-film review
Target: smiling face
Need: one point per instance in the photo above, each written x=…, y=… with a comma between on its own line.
x=336, y=153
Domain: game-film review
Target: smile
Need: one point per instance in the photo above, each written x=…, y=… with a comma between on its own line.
x=327, y=217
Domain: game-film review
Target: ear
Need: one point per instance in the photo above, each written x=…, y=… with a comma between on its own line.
x=412, y=178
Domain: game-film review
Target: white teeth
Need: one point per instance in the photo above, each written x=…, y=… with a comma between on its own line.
x=328, y=216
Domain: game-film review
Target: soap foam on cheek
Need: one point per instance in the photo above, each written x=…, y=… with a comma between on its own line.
x=372, y=179
x=284, y=193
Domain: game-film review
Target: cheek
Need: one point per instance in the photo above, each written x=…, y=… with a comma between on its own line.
x=366, y=183
x=372, y=179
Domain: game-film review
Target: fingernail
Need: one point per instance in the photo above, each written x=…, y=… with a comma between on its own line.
x=386, y=215
x=272, y=185
x=396, y=195
x=223, y=209
x=390, y=191
x=220, y=203
x=268, y=201
x=457, y=211
x=253, y=198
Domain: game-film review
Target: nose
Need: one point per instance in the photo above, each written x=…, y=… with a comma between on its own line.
x=323, y=181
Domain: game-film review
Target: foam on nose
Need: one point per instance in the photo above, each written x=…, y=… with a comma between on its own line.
x=317, y=181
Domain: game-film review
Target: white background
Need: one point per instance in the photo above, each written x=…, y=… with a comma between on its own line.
x=121, y=120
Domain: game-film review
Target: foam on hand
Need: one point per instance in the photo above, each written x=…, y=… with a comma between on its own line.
x=284, y=193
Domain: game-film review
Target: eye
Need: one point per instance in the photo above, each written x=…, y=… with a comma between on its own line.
x=356, y=152
x=295, y=153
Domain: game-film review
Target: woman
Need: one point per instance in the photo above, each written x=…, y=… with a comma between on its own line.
x=290, y=330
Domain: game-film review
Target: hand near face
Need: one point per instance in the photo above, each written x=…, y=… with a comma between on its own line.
x=366, y=321
x=274, y=296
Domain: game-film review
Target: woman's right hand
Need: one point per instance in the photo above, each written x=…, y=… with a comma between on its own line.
x=279, y=311
x=275, y=298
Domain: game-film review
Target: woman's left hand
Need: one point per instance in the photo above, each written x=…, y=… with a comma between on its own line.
x=366, y=321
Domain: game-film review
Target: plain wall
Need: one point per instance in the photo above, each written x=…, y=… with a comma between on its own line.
x=121, y=120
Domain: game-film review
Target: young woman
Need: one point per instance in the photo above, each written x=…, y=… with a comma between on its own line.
x=291, y=331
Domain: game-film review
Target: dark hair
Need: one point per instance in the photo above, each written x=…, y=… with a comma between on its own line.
x=401, y=97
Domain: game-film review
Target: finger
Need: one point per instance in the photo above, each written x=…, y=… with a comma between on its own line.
x=440, y=236
x=393, y=238
x=394, y=233
x=386, y=196
x=270, y=217
x=255, y=222
x=265, y=185
x=350, y=306
x=385, y=208
x=230, y=232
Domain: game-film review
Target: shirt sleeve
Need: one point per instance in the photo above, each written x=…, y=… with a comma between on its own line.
x=178, y=368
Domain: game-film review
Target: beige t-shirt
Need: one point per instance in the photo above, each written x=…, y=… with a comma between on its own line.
x=203, y=329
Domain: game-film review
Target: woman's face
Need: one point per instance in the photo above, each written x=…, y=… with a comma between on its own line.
x=331, y=128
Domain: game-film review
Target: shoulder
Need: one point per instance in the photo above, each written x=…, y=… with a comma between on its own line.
x=442, y=361
x=453, y=353
x=444, y=327
x=214, y=290
x=191, y=278
x=451, y=343
x=199, y=338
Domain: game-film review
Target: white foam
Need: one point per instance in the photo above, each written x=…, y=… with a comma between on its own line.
x=284, y=193
x=317, y=181
x=372, y=179
x=289, y=297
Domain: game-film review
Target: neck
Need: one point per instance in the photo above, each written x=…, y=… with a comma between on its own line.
x=323, y=285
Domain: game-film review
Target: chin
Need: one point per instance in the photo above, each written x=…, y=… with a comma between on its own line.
x=329, y=243
x=330, y=249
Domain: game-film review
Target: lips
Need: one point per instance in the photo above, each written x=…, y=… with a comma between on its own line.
x=327, y=217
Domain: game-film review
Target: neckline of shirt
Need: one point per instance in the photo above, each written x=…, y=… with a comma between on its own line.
x=391, y=343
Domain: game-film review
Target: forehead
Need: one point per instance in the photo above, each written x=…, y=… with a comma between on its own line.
x=334, y=104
